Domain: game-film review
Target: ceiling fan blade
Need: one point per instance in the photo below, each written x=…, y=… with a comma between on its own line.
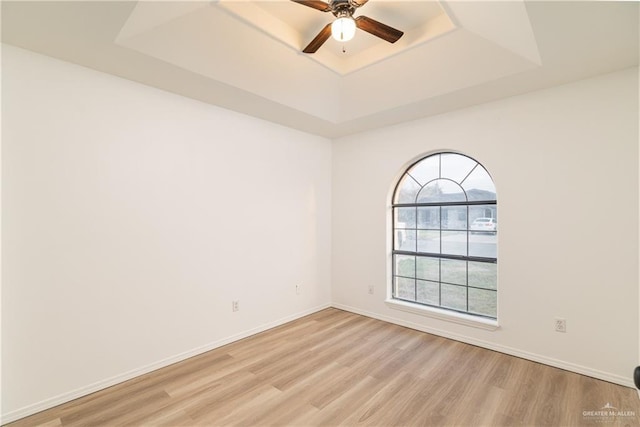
x=360, y=2
x=314, y=4
x=319, y=40
x=378, y=29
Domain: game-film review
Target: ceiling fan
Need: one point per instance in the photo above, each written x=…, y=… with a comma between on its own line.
x=344, y=27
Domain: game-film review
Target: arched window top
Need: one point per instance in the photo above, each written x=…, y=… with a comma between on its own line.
x=441, y=190
x=445, y=177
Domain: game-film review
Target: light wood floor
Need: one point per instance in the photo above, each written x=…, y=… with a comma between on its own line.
x=339, y=368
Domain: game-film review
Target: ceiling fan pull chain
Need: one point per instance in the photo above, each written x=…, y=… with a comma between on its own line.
x=343, y=49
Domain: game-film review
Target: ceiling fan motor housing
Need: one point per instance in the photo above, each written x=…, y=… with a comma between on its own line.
x=343, y=8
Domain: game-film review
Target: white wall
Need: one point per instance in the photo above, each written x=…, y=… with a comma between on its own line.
x=565, y=163
x=133, y=217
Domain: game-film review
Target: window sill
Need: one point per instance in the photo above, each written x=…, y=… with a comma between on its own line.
x=446, y=315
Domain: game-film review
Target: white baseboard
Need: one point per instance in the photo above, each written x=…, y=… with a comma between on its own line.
x=568, y=366
x=100, y=385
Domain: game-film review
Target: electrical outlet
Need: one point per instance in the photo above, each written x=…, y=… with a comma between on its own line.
x=235, y=305
x=561, y=325
x=370, y=289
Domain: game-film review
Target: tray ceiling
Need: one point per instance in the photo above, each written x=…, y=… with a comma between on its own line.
x=246, y=55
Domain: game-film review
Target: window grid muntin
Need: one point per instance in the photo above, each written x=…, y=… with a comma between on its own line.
x=440, y=256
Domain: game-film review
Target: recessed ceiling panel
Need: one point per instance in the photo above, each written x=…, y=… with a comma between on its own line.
x=245, y=55
x=449, y=64
x=505, y=23
x=211, y=42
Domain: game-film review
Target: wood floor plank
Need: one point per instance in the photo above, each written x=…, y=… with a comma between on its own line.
x=340, y=408
x=336, y=368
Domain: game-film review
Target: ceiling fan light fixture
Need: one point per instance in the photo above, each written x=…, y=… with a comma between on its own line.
x=343, y=29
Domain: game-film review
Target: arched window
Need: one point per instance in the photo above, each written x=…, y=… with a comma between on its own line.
x=445, y=235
